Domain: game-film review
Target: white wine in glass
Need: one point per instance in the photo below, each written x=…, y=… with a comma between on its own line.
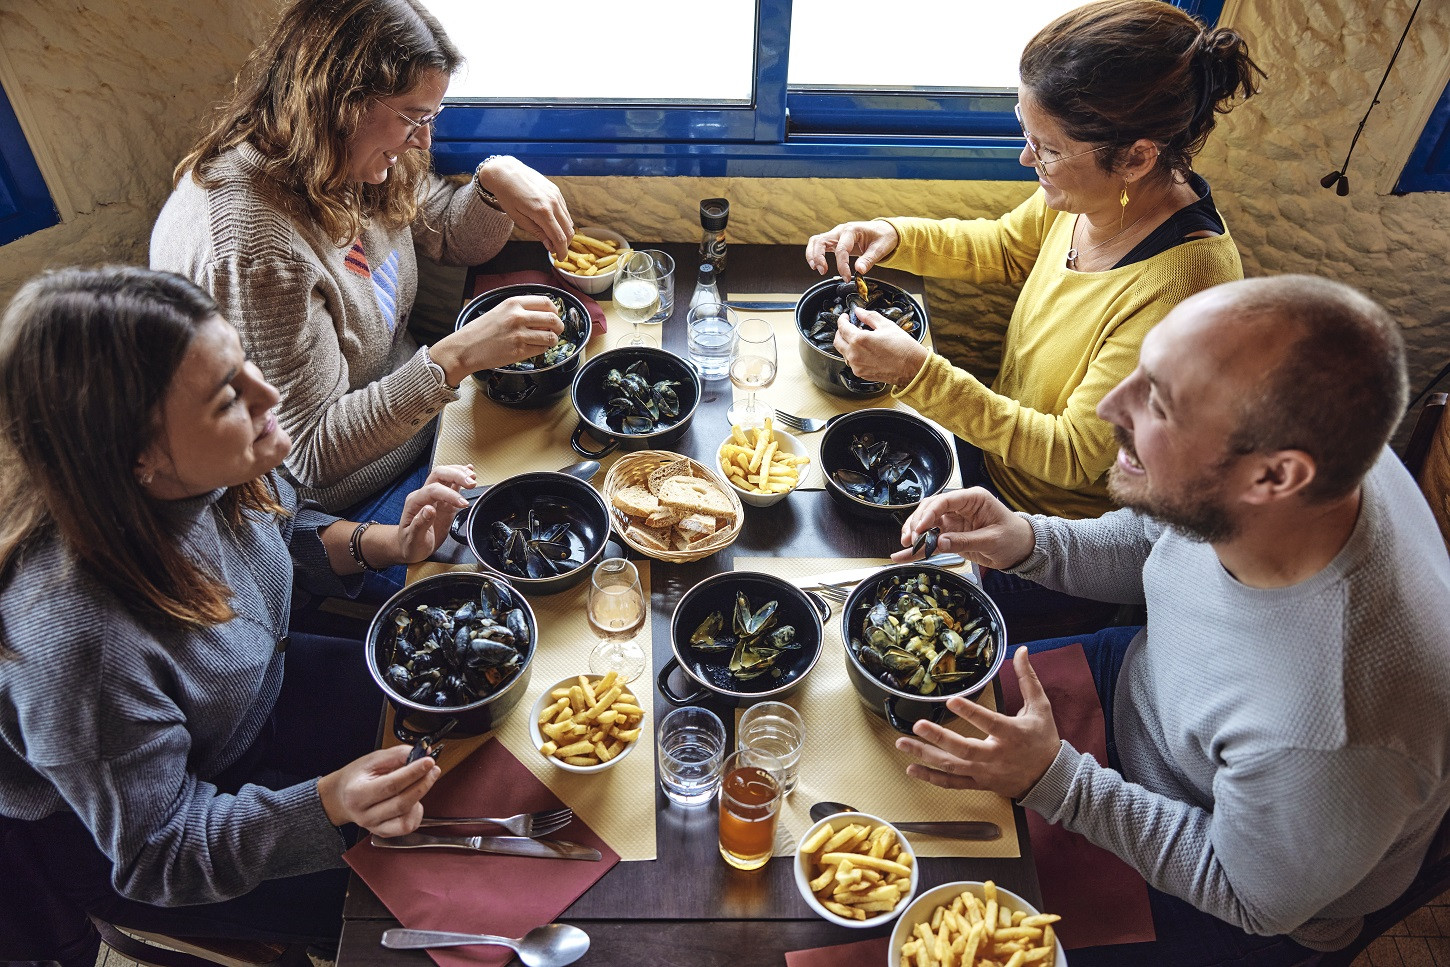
x=752, y=368
x=636, y=296
x=616, y=612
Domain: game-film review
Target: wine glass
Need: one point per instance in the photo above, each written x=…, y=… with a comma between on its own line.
x=752, y=367
x=636, y=295
x=616, y=612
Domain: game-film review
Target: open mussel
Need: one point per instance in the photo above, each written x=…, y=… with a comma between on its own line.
x=576, y=329
x=919, y=634
x=634, y=404
x=538, y=543
x=753, y=636
x=455, y=654
x=866, y=294
x=884, y=475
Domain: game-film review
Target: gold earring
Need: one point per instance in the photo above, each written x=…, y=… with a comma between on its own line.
x=1123, y=200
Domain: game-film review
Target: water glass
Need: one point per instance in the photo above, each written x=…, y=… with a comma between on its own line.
x=776, y=728
x=711, y=338
x=691, y=744
x=750, y=795
x=665, y=281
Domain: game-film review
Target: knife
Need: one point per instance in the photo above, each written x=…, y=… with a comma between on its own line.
x=967, y=830
x=760, y=306
x=857, y=574
x=505, y=845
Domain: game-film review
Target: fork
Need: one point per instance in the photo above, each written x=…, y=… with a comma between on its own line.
x=834, y=593
x=532, y=825
x=802, y=424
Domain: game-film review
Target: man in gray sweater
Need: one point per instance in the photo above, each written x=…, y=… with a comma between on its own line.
x=1280, y=750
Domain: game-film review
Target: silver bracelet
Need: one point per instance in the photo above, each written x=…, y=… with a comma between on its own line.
x=354, y=546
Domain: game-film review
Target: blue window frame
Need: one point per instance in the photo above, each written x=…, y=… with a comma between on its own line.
x=783, y=132
x=25, y=202
x=1429, y=166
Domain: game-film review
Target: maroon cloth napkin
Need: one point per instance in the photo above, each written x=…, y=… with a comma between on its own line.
x=487, y=283
x=862, y=953
x=474, y=892
x=1102, y=900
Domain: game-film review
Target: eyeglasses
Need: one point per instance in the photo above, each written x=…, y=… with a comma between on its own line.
x=414, y=123
x=1039, y=162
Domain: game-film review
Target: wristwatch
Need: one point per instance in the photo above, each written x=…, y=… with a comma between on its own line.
x=488, y=197
x=437, y=371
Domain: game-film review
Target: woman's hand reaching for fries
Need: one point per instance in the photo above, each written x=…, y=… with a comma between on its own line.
x=974, y=524
x=1009, y=761
x=533, y=202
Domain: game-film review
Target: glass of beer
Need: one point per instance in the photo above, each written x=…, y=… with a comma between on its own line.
x=750, y=795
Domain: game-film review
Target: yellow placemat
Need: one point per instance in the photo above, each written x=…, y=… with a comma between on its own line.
x=793, y=391
x=850, y=753
x=618, y=803
x=501, y=441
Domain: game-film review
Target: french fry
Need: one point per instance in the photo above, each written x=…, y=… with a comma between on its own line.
x=846, y=878
x=970, y=931
x=753, y=461
x=590, y=722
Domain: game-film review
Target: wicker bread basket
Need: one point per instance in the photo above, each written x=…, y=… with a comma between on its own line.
x=647, y=469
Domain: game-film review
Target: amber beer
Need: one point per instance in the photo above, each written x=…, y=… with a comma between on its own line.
x=749, y=804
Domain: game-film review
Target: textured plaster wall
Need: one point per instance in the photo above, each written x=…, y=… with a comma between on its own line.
x=112, y=93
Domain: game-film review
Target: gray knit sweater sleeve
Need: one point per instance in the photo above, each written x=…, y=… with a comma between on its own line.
x=456, y=227
x=1100, y=559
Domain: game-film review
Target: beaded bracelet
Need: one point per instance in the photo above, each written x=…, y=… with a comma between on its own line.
x=354, y=546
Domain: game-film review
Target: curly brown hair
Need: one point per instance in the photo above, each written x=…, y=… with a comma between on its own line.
x=302, y=95
x=1117, y=71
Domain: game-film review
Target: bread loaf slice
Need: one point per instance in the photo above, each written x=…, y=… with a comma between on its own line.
x=695, y=496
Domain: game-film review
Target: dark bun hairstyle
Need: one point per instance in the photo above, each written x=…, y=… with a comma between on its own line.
x=1120, y=70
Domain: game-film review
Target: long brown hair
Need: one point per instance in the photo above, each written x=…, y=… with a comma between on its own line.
x=302, y=95
x=86, y=359
x=1119, y=70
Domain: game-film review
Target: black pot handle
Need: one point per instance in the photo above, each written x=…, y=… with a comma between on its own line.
x=411, y=735
x=663, y=681
x=497, y=394
x=458, y=527
x=580, y=449
x=819, y=602
x=856, y=384
x=889, y=706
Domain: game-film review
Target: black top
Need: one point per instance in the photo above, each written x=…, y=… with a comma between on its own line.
x=1201, y=216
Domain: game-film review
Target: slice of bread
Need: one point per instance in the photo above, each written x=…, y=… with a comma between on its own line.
x=649, y=537
x=696, y=496
x=696, y=526
x=667, y=471
x=636, y=501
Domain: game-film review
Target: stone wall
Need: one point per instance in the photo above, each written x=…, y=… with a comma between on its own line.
x=113, y=92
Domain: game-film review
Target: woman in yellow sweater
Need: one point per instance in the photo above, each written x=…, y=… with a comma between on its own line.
x=1115, y=101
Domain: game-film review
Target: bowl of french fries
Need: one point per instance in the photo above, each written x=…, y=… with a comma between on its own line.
x=971, y=923
x=762, y=464
x=594, y=252
x=586, y=723
x=856, y=870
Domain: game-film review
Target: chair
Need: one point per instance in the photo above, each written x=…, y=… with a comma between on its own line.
x=40, y=923
x=1427, y=457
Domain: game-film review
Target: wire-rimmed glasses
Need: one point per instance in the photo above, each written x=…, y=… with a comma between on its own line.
x=1039, y=162
x=414, y=123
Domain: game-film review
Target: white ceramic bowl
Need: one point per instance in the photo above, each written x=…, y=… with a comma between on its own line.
x=803, y=877
x=594, y=284
x=543, y=702
x=921, y=909
x=788, y=444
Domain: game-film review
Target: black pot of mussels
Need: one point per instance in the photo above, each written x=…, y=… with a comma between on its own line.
x=542, y=531
x=879, y=463
x=634, y=398
x=452, y=654
x=815, y=318
x=542, y=379
x=916, y=635
x=743, y=636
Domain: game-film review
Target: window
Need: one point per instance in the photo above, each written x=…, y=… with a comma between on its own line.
x=1429, y=166
x=754, y=88
x=25, y=203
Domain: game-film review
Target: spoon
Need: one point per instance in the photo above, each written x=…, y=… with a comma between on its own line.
x=552, y=945
x=962, y=830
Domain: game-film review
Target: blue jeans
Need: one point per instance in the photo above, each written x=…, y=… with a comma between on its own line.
x=386, y=507
x=326, y=715
x=1032, y=612
x=1187, y=937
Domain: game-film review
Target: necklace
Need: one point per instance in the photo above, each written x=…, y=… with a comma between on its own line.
x=1073, y=254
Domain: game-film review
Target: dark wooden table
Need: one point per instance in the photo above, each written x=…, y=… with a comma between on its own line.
x=688, y=906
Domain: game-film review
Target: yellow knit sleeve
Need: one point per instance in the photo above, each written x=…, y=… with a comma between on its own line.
x=977, y=250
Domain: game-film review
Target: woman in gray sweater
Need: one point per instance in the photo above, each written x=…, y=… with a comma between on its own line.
x=161, y=734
